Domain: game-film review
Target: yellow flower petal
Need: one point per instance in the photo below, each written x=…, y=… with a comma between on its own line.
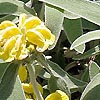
x=7, y=50
x=20, y=49
x=58, y=95
x=35, y=38
x=49, y=37
x=9, y=32
x=15, y=48
x=43, y=48
x=28, y=88
x=44, y=31
x=6, y=24
x=22, y=72
x=2, y=42
x=52, y=39
x=22, y=19
x=32, y=22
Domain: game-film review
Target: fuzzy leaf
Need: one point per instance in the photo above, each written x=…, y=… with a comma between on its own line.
x=92, y=90
x=54, y=23
x=93, y=35
x=14, y=7
x=94, y=69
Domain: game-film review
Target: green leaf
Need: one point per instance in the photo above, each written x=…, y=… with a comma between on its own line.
x=93, y=35
x=89, y=25
x=54, y=23
x=80, y=48
x=45, y=91
x=85, y=76
x=56, y=83
x=7, y=80
x=7, y=17
x=94, y=69
x=17, y=93
x=38, y=6
x=97, y=59
x=94, y=51
x=86, y=9
x=52, y=84
x=73, y=29
x=14, y=7
x=3, y=67
x=92, y=91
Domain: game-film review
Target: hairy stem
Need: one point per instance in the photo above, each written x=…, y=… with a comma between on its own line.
x=34, y=83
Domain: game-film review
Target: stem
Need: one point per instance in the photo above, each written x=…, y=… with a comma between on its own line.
x=34, y=83
x=42, y=60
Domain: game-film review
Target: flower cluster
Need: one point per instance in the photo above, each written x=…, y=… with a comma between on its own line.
x=17, y=39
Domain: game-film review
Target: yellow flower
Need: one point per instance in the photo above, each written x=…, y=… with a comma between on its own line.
x=36, y=32
x=28, y=88
x=58, y=95
x=22, y=72
x=15, y=39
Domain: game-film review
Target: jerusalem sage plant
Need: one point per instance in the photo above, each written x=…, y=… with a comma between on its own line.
x=49, y=49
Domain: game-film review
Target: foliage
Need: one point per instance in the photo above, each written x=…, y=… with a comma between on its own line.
x=71, y=64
